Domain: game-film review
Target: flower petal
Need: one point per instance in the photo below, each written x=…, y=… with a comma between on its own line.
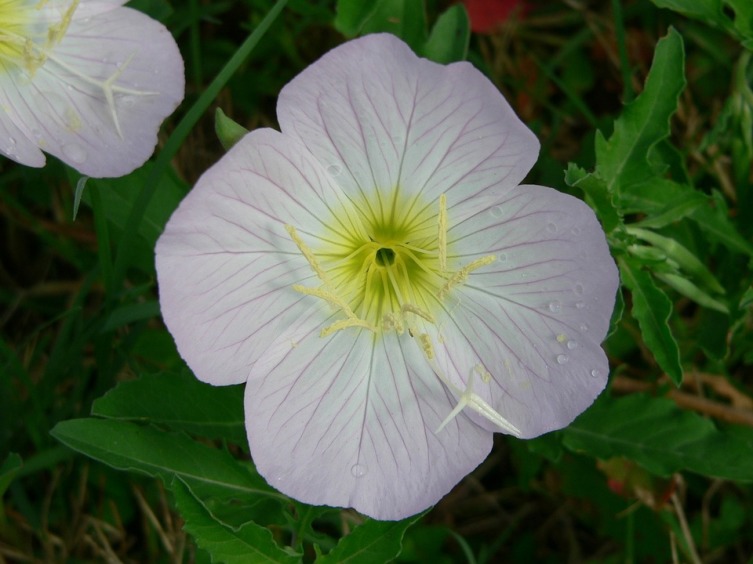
x=15, y=144
x=382, y=117
x=348, y=420
x=99, y=99
x=226, y=264
x=533, y=319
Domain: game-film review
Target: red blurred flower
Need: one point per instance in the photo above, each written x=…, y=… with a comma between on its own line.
x=487, y=15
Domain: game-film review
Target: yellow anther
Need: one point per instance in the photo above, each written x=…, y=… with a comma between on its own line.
x=56, y=32
x=392, y=321
x=561, y=338
x=307, y=253
x=486, y=376
x=410, y=308
x=426, y=345
x=442, y=235
x=327, y=296
x=462, y=275
x=345, y=324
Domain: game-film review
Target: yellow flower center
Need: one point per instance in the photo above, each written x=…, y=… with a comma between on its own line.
x=26, y=38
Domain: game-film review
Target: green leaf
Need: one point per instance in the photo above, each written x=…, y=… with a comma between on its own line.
x=712, y=12
x=597, y=196
x=690, y=290
x=127, y=446
x=652, y=309
x=10, y=467
x=404, y=18
x=659, y=436
x=449, y=38
x=130, y=313
x=713, y=219
x=624, y=159
x=228, y=131
x=372, y=542
x=249, y=543
x=215, y=412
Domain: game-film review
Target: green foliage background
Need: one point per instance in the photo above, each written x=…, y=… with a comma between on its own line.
x=644, y=109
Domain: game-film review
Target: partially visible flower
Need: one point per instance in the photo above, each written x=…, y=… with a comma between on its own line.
x=88, y=81
x=488, y=15
x=387, y=291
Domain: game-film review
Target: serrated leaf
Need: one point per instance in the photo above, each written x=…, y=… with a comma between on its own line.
x=597, y=196
x=449, y=38
x=215, y=412
x=659, y=436
x=373, y=542
x=652, y=309
x=712, y=12
x=249, y=543
x=144, y=449
x=623, y=160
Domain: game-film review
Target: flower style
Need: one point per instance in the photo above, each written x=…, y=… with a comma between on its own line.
x=87, y=81
x=388, y=293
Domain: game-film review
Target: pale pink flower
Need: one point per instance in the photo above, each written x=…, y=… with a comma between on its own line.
x=388, y=293
x=87, y=81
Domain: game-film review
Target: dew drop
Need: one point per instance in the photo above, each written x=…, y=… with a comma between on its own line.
x=578, y=289
x=502, y=257
x=580, y=305
x=555, y=307
x=496, y=211
x=358, y=470
x=551, y=227
x=334, y=170
x=127, y=101
x=572, y=345
x=562, y=358
x=75, y=153
x=11, y=141
x=595, y=373
x=575, y=231
x=583, y=327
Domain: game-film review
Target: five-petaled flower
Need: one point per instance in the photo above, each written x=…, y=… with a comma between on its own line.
x=88, y=81
x=388, y=293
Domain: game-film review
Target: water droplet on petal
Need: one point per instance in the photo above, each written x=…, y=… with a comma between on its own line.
x=572, y=345
x=578, y=289
x=575, y=231
x=583, y=327
x=595, y=373
x=334, y=170
x=580, y=305
x=502, y=257
x=358, y=470
x=551, y=227
x=496, y=211
x=562, y=358
x=555, y=306
x=75, y=153
x=127, y=101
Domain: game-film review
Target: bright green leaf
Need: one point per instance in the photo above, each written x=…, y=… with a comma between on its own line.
x=449, y=38
x=652, y=309
x=597, y=196
x=373, y=542
x=144, y=449
x=404, y=18
x=659, y=436
x=623, y=160
x=690, y=290
x=228, y=131
x=352, y=15
x=249, y=543
x=215, y=412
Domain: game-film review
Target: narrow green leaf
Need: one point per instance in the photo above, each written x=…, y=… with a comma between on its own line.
x=249, y=543
x=131, y=313
x=214, y=412
x=449, y=38
x=623, y=160
x=747, y=298
x=144, y=449
x=10, y=467
x=690, y=290
x=404, y=18
x=652, y=308
x=659, y=436
x=80, y=185
x=714, y=220
x=373, y=542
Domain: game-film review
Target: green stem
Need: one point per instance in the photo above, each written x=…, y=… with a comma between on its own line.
x=627, y=76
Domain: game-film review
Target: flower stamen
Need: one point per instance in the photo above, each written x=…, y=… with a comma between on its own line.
x=462, y=275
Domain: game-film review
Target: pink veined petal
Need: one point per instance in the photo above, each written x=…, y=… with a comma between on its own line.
x=534, y=319
x=64, y=106
x=385, y=118
x=15, y=143
x=226, y=264
x=349, y=420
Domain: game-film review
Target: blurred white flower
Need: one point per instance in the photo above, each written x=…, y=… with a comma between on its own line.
x=88, y=81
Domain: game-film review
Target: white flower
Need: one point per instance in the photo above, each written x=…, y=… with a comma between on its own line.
x=88, y=81
x=387, y=291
